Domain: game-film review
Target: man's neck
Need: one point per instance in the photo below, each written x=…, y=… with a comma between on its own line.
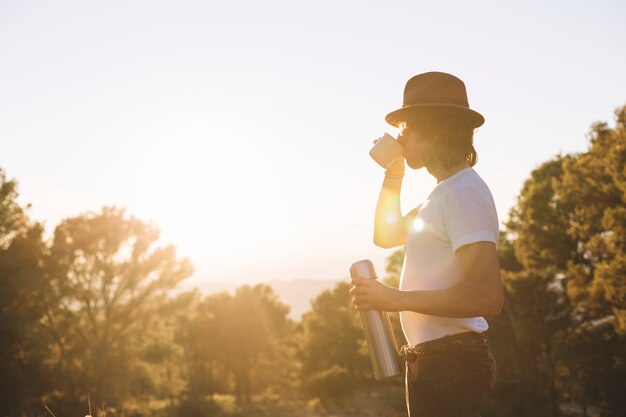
x=441, y=173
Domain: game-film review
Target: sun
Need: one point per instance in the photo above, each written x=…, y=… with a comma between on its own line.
x=210, y=193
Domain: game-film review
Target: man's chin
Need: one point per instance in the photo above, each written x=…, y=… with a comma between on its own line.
x=414, y=164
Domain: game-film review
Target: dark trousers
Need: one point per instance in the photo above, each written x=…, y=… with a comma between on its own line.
x=449, y=377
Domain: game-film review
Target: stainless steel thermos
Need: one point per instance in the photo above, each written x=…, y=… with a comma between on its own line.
x=377, y=328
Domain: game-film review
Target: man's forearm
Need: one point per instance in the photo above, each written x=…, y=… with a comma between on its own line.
x=465, y=299
x=388, y=212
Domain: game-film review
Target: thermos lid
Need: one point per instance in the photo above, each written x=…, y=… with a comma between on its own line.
x=363, y=269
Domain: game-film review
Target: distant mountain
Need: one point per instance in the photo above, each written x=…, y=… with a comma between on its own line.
x=296, y=293
x=208, y=288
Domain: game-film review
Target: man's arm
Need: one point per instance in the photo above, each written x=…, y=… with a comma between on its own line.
x=392, y=230
x=390, y=227
x=480, y=293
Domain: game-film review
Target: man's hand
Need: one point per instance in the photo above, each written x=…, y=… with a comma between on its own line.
x=397, y=167
x=370, y=294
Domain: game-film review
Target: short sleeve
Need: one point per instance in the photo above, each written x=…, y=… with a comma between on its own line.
x=469, y=216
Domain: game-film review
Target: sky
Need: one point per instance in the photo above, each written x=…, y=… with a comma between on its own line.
x=242, y=128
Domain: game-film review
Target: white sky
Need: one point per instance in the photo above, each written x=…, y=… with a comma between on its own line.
x=242, y=128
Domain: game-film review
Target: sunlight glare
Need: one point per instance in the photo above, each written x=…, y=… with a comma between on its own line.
x=418, y=225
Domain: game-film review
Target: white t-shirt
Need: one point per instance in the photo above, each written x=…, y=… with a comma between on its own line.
x=459, y=211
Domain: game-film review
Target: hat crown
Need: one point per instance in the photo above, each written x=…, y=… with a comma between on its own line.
x=435, y=91
x=435, y=88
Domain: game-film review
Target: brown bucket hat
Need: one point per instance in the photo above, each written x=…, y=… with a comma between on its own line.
x=434, y=90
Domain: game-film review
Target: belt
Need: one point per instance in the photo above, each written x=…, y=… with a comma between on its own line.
x=445, y=344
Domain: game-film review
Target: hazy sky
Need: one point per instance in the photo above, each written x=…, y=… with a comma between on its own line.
x=242, y=128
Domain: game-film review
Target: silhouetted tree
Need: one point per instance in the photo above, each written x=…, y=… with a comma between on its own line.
x=240, y=338
x=565, y=289
x=332, y=345
x=23, y=378
x=594, y=187
x=107, y=281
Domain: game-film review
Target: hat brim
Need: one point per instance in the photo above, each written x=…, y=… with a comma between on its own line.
x=401, y=115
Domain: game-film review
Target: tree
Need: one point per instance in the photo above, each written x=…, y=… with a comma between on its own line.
x=332, y=344
x=393, y=268
x=107, y=280
x=567, y=280
x=24, y=378
x=594, y=185
x=240, y=337
x=538, y=307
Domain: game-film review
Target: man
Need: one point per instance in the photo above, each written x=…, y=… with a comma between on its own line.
x=451, y=276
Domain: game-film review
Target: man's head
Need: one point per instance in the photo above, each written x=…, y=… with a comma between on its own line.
x=436, y=137
x=435, y=121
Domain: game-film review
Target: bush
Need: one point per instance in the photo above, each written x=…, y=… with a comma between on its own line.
x=333, y=383
x=198, y=407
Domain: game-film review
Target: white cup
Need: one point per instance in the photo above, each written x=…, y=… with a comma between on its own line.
x=386, y=150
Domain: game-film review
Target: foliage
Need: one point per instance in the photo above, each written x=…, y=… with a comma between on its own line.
x=565, y=288
x=197, y=407
x=238, y=338
x=594, y=185
x=107, y=282
x=394, y=264
x=332, y=383
x=332, y=336
x=21, y=354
